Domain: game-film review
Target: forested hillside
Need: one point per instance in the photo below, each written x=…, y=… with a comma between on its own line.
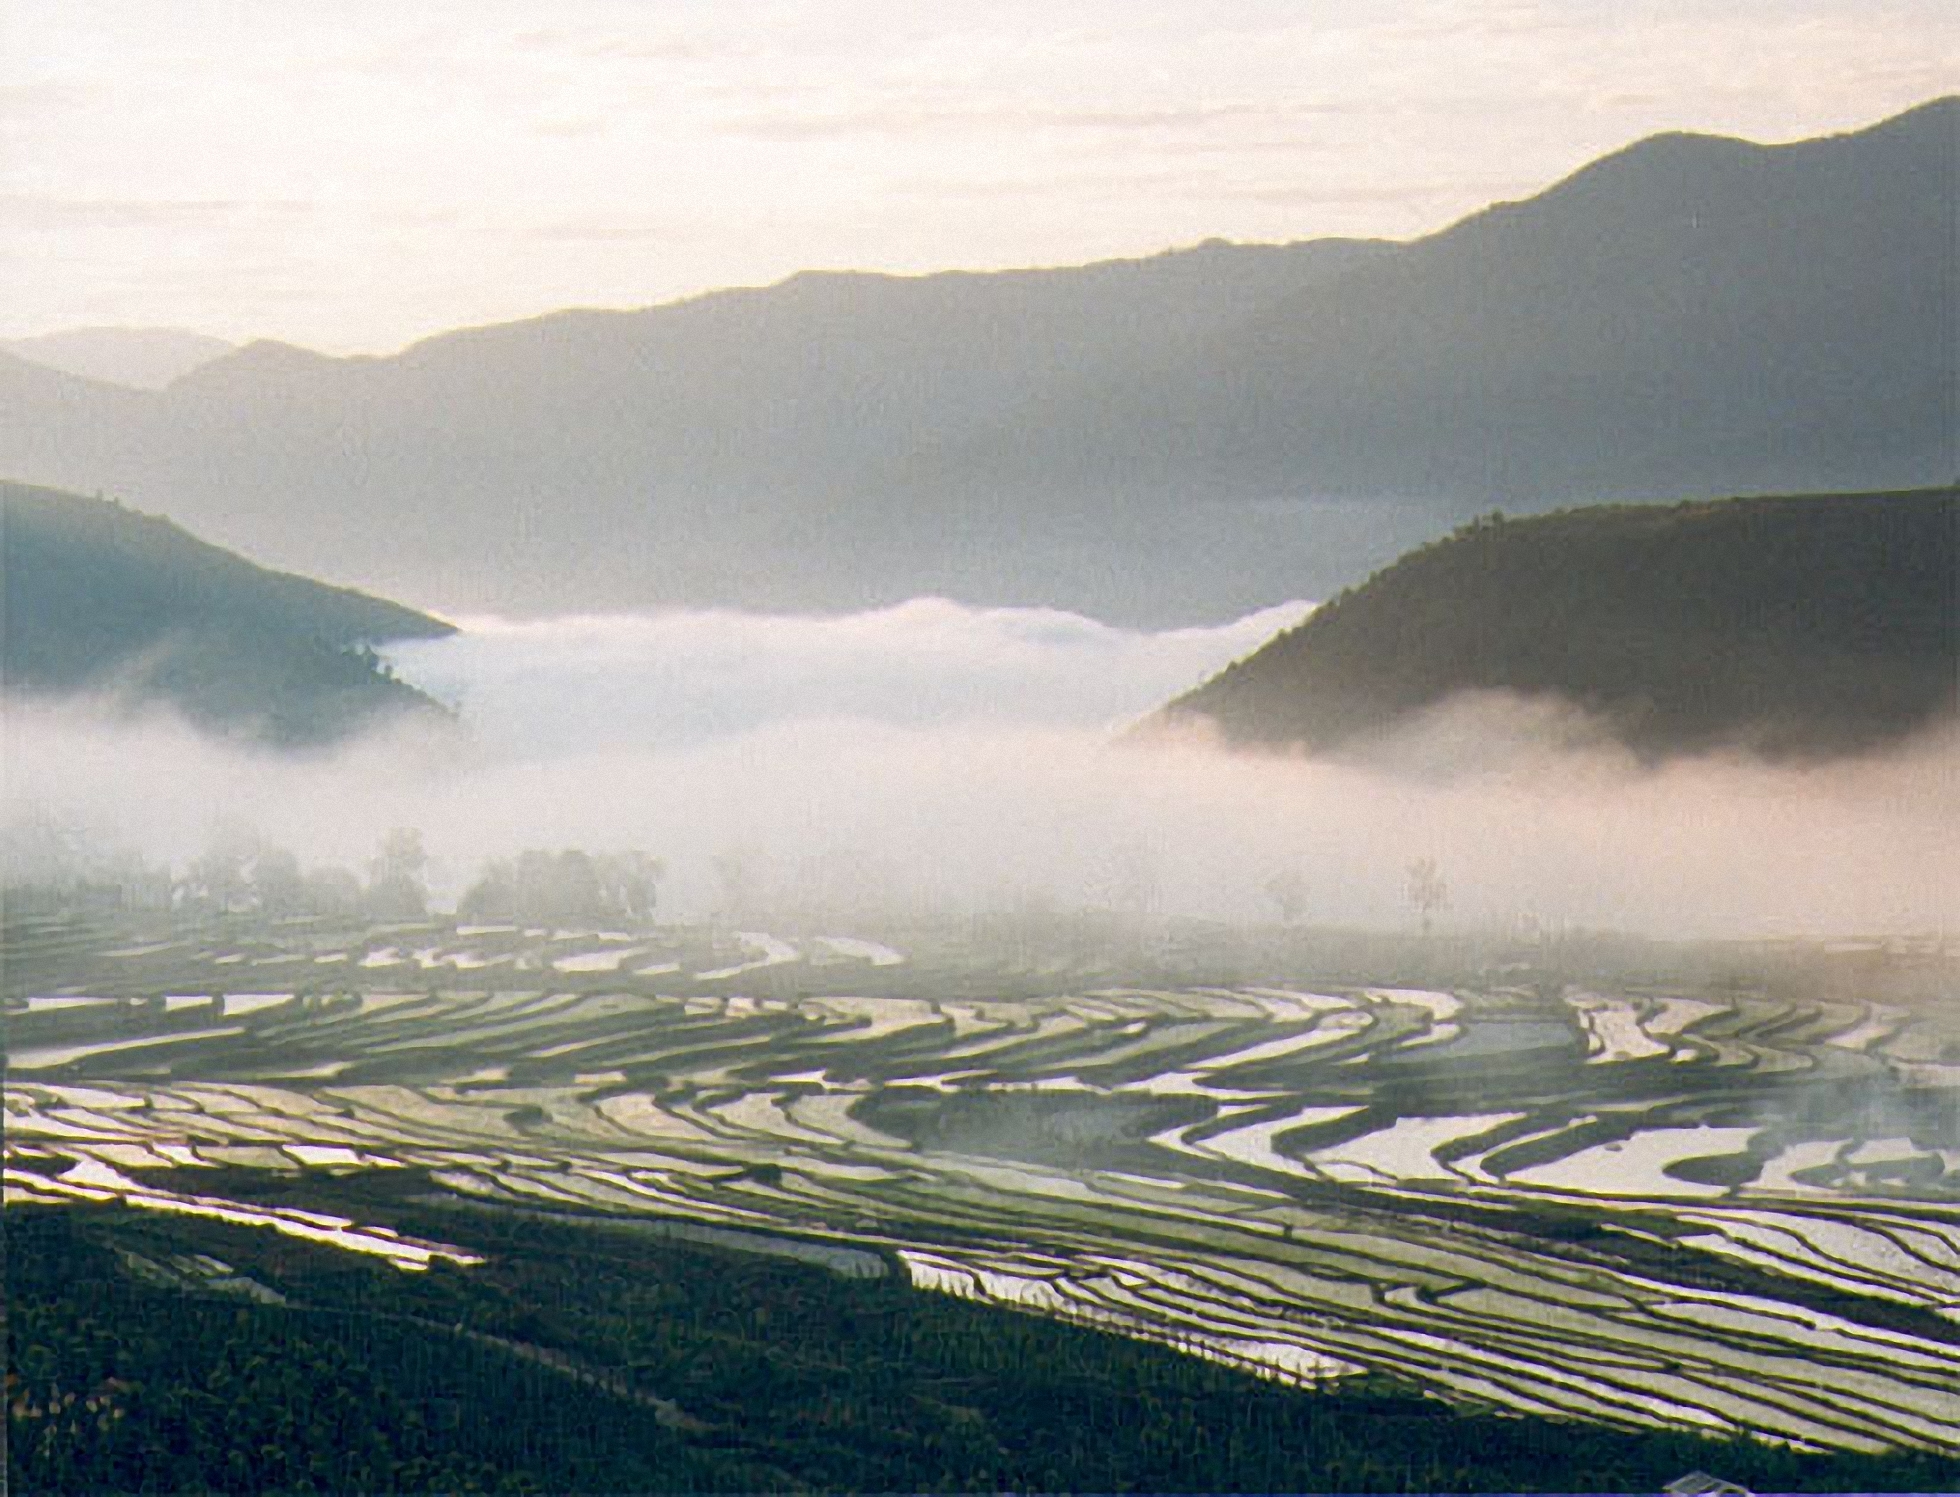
x=102, y=599
x=1798, y=628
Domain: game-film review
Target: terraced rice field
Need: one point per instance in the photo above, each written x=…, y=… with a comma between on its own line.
x=1642, y=1207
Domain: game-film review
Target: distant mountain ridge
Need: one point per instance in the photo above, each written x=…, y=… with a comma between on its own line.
x=1174, y=439
x=1796, y=628
x=102, y=599
x=144, y=358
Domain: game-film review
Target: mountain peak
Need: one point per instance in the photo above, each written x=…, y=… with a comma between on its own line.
x=261, y=366
x=144, y=358
x=1935, y=117
x=1924, y=137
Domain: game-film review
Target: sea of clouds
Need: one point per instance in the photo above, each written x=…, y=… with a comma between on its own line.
x=936, y=758
x=542, y=688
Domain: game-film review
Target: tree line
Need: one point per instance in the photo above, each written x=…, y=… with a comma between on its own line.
x=56, y=869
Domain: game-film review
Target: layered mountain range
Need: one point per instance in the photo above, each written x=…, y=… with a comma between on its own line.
x=1165, y=440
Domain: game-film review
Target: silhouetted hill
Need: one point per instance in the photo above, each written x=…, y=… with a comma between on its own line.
x=1182, y=437
x=1793, y=627
x=146, y=358
x=99, y=598
x=1691, y=316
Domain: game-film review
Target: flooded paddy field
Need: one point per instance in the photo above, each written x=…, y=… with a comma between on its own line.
x=1667, y=1198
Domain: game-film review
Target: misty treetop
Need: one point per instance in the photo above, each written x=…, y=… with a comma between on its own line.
x=1796, y=628
x=103, y=599
x=567, y=886
x=237, y=872
x=53, y=867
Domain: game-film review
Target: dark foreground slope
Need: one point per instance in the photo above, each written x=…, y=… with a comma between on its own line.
x=1184, y=437
x=102, y=599
x=1794, y=627
x=586, y=1356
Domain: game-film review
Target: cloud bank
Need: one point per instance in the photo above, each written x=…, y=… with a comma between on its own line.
x=937, y=759
x=545, y=687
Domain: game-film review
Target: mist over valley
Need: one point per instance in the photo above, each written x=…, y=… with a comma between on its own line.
x=1323, y=865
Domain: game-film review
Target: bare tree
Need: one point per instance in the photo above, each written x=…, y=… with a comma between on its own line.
x=1428, y=892
x=1287, y=889
x=742, y=877
x=218, y=878
x=278, y=885
x=396, y=887
x=631, y=882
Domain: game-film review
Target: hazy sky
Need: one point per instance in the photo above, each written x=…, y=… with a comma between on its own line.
x=353, y=174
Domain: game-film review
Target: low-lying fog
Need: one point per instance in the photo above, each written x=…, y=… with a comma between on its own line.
x=938, y=758
x=674, y=680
